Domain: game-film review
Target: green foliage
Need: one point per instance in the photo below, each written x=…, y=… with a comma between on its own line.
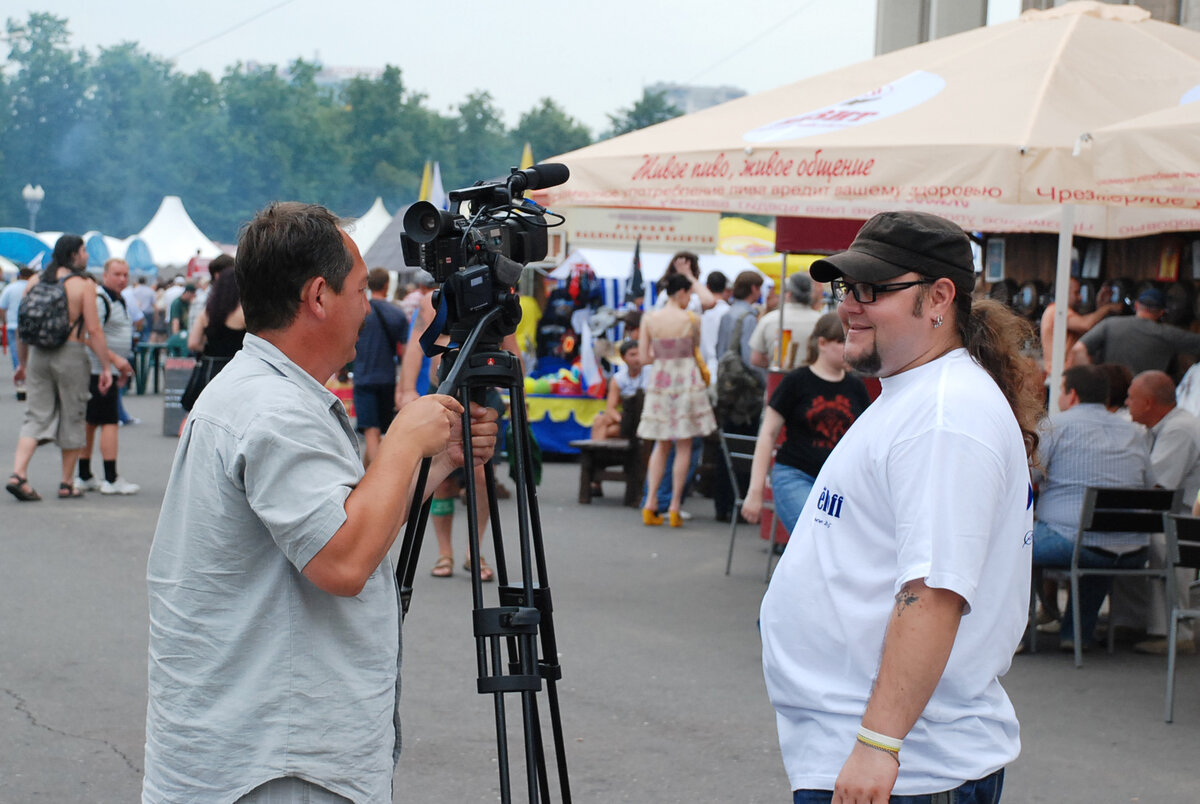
x=108, y=134
x=550, y=131
x=650, y=109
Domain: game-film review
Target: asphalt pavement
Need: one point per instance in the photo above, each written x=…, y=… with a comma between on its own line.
x=662, y=695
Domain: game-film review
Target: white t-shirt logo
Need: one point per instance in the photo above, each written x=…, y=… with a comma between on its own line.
x=831, y=503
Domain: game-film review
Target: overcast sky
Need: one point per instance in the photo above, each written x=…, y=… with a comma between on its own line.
x=593, y=57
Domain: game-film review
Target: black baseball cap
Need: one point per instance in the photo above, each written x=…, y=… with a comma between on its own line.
x=894, y=243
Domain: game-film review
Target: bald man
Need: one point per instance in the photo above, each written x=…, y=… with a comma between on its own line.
x=1175, y=462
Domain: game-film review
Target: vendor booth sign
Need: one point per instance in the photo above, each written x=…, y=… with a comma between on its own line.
x=659, y=230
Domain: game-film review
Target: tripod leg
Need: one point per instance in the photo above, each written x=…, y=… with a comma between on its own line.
x=414, y=531
x=549, y=668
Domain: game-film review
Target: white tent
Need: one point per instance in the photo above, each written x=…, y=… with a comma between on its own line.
x=364, y=231
x=172, y=237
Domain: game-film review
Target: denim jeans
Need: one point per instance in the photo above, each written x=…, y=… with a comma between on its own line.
x=980, y=791
x=1052, y=549
x=789, y=487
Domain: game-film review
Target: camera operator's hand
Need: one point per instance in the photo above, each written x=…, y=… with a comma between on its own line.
x=483, y=436
x=430, y=423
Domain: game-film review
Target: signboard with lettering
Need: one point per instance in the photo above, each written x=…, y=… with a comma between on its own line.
x=659, y=229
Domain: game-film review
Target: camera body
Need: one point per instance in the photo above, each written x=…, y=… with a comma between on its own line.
x=477, y=261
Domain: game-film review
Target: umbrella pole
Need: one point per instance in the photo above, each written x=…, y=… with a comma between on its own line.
x=1062, y=292
x=781, y=358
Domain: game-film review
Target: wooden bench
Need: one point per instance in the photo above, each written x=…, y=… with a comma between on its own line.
x=611, y=459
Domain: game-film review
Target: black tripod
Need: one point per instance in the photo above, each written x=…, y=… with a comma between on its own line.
x=525, y=612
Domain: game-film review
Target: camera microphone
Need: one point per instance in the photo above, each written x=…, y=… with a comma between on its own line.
x=538, y=177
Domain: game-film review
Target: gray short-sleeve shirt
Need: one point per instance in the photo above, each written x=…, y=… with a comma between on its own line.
x=254, y=672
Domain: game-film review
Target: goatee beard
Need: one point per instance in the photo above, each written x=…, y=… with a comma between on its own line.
x=868, y=364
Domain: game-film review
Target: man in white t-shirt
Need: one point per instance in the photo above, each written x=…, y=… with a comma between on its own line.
x=710, y=320
x=903, y=592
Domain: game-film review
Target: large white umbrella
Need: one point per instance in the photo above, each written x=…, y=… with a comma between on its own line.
x=979, y=127
x=1148, y=161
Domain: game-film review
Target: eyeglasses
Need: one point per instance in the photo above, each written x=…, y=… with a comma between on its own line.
x=867, y=293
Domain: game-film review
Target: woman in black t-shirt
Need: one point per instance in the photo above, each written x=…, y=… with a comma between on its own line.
x=818, y=403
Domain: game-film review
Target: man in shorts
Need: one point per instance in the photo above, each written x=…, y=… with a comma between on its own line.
x=375, y=359
x=56, y=377
x=103, y=409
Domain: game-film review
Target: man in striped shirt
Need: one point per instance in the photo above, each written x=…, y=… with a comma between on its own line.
x=1086, y=445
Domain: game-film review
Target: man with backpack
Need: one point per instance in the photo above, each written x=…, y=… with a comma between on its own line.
x=376, y=355
x=739, y=383
x=58, y=308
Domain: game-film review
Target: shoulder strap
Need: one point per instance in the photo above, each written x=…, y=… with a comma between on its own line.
x=107, y=306
x=387, y=332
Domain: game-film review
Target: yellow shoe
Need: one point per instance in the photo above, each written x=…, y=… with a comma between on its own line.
x=676, y=519
x=651, y=517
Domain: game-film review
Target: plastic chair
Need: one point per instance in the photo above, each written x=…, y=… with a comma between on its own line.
x=1120, y=510
x=1183, y=551
x=738, y=452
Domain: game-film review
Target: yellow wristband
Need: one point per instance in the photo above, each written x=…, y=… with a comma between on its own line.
x=877, y=740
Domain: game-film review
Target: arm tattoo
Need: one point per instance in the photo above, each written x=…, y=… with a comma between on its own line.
x=904, y=599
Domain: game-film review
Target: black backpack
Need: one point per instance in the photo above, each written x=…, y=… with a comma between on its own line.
x=739, y=389
x=43, y=319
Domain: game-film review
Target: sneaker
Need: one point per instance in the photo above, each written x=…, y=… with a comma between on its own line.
x=1158, y=646
x=119, y=486
x=91, y=484
x=130, y=422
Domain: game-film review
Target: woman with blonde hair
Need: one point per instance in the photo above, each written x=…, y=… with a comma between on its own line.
x=676, y=406
x=817, y=402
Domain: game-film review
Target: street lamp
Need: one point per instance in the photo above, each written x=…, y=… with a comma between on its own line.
x=33, y=202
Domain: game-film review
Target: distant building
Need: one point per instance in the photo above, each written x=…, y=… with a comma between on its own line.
x=903, y=23
x=688, y=99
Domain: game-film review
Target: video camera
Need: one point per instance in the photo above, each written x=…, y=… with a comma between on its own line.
x=478, y=261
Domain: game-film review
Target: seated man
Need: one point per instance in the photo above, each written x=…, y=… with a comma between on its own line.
x=626, y=382
x=1083, y=446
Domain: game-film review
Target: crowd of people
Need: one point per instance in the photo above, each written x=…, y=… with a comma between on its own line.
x=915, y=516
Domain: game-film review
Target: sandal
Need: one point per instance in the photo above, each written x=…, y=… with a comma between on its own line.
x=68, y=491
x=19, y=487
x=444, y=567
x=485, y=572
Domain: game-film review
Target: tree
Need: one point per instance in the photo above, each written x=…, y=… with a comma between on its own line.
x=652, y=108
x=126, y=153
x=388, y=129
x=481, y=144
x=45, y=100
x=549, y=131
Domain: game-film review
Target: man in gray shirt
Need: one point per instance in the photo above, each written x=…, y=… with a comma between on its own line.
x=1141, y=341
x=1175, y=461
x=274, y=613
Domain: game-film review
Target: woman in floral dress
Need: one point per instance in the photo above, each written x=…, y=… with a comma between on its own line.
x=676, y=406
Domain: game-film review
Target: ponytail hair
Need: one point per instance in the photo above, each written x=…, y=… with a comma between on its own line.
x=829, y=327
x=64, y=252
x=995, y=337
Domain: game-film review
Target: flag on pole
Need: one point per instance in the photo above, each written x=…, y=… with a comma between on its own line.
x=590, y=375
x=437, y=193
x=635, y=287
x=526, y=157
x=426, y=182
